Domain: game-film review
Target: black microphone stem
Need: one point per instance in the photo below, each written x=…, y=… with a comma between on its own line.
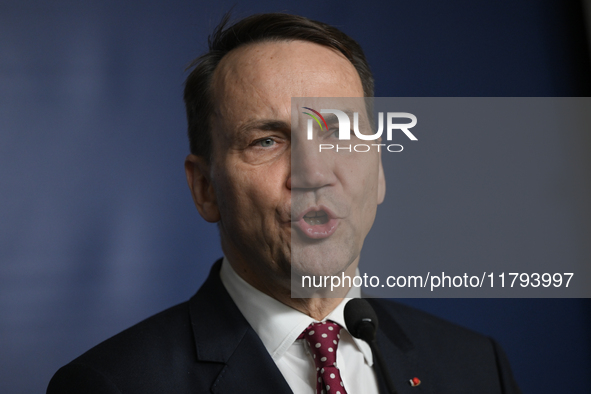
x=377, y=355
x=362, y=323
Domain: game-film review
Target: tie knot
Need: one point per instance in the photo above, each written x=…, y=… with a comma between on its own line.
x=323, y=339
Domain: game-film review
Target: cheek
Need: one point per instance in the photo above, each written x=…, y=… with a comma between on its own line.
x=361, y=188
x=250, y=192
x=360, y=178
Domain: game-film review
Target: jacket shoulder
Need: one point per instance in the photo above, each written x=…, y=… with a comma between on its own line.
x=445, y=349
x=148, y=357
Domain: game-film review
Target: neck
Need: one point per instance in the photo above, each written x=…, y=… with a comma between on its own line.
x=316, y=308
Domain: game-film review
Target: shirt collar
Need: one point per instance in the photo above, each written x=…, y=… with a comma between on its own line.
x=277, y=324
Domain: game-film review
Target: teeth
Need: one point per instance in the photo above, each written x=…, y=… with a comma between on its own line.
x=315, y=221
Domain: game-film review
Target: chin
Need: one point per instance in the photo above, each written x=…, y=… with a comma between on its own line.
x=311, y=273
x=320, y=261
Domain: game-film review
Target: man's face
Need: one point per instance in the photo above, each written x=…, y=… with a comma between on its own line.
x=250, y=183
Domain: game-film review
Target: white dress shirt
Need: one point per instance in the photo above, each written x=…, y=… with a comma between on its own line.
x=279, y=326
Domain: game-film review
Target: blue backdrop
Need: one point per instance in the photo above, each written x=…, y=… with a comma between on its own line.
x=97, y=226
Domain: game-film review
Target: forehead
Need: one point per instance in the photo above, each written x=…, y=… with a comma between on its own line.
x=259, y=80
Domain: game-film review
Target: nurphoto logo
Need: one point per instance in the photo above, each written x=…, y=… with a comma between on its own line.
x=344, y=129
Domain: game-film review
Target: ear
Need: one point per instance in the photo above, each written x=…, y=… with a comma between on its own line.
x=202, y=190
x=381, y=181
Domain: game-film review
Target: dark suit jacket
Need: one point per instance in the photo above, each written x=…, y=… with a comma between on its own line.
x=206, y=345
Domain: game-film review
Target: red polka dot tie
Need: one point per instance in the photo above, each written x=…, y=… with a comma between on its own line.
x=323, y=339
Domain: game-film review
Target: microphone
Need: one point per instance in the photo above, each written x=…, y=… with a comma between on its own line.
x=362, y=323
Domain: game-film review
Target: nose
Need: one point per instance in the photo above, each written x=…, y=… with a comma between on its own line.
x=310, y=168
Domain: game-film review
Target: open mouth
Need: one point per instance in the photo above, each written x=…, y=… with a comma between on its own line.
x=318, y=223
x=315, y=218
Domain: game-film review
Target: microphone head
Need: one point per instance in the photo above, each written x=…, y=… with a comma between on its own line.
x=361, y=319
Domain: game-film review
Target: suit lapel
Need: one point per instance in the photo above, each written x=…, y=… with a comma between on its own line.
x=250, y=369
x=399, y=354
x=222, y=335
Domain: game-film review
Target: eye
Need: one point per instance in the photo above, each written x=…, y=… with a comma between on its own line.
x=266, y=143
x=334, y=132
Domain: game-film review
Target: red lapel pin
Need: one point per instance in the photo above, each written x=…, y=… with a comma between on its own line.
x=414, y=381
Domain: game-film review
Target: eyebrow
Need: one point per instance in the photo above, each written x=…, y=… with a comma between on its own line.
x=265, y=125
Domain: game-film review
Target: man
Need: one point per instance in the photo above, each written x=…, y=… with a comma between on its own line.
x=243, y=331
